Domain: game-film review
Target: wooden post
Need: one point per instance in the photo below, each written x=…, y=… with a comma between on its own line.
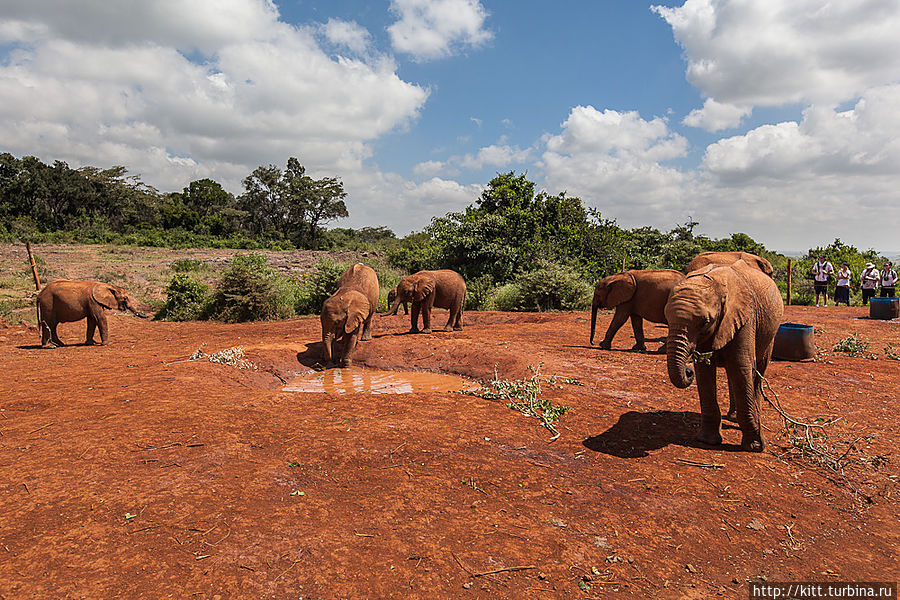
x=790, y=268
x=623, y=264
x=34, y=273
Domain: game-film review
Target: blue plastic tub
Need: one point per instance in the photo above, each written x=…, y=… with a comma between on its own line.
x=884, y=308
x=794, y=341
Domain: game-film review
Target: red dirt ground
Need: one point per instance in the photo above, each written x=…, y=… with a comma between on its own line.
x=127, y=474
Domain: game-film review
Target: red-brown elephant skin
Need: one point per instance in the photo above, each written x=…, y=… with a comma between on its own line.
x=348, y=313
x=66, y=301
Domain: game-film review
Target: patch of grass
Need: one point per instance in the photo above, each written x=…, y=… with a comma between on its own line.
x=524, y=395
x=185, y=265
x=11, y=309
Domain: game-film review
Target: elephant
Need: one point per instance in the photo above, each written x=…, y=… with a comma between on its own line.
x=392, y=295
x=426, y=289
x=732, y=311
x=636, y=294
x=349, y=311
x=704, y=259
x=65, y=301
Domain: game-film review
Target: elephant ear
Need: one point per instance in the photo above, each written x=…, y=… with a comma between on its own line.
x=104, y=295
x=424, y=288
x=620, y=289
x=737, y=303
x=357, y=311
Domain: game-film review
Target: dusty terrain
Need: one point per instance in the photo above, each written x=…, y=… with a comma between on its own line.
x=128, y=472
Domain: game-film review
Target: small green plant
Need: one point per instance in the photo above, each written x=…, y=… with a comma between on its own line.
x=851, y=345
x=524, y=396
x=185, y=299
x=890, y=351
x=184, y=265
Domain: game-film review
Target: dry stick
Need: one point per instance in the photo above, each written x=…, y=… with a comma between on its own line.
x=39, y=428
x=483, y=573
x=34, y=273
x=694, y=463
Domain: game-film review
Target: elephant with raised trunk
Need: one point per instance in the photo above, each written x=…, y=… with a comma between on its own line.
x=705, y=259
x=65, y=301
x=429, y=289
x=637, y=295
x=347, y=314
x=733, y=312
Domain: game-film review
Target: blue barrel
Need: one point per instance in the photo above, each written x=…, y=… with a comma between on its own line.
x=884, y=308
x=794, y=341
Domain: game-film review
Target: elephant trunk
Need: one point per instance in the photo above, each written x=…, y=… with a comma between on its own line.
x=594, y=308
x=136, y=312
x=327, y=342
x=393, y=309
x=678, y=351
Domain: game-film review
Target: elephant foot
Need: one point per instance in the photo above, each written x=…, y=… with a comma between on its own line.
x=346, y=363
x=90, y=343
x=426, y=331
x=448, y=328
x=661, y=349
x=639, y=347
x=731, y=416
x=604, y=345
x=49, y=345
x=713, y=438
x=413, y=330
x=753, y=443
x=366, y=338
x=457, y=328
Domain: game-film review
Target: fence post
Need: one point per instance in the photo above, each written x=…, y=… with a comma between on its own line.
x=623, y=264
x=34, y=273
x=789, y=270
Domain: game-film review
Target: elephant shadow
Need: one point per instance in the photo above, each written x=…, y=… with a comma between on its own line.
x=638, y=433
x=312, y=357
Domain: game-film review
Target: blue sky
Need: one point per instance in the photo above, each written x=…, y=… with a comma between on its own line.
x=777, y=119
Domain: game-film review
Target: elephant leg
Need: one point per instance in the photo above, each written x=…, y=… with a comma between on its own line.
x=47, y=335
x=405, y=309
x=350, y=341
x=710, y=418
x=91, y=327
x=618, y=320
x=103, y=327
x=414, y=317
x=367, y=328
x=54, y=337
x=427, y=304
x=457, y=323
x=637, y=326
x=743, y=384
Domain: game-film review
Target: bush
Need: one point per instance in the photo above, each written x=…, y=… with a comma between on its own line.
x=478, y=292
x=506, y=298
x=188, y=264
x=553, y=287
x=185, y=301
x=318, y=286
x=250, y=290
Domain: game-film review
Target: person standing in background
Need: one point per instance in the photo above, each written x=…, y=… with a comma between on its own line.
x=868, y=282
x=888, y=280
x=842, y=289
x=822, y=271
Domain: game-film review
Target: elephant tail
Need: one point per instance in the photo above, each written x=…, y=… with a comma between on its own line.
x=593, y=320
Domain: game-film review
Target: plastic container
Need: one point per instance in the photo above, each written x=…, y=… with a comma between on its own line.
x=884, y=308
x=794, y=341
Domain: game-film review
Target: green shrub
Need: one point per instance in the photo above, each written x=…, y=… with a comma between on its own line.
x=478, y=292
x=317, y=286
x=553, y=287
x=250, y=290
x=185, y=265
x=185, y=301
x=506, y=298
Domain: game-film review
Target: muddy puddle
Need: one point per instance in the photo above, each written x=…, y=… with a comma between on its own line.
x=357, y=379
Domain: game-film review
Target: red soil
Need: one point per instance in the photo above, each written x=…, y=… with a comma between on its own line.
x=128, y=474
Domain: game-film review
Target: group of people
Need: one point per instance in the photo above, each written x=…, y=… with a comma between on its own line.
x=870, y=280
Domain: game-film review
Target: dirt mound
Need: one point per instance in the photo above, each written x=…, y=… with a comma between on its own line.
x=132, y=471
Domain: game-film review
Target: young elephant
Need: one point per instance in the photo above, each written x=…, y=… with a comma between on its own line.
x=348, y=313
x=704, y=259
x=635, y=294
x=428, y=289
x=734, y=312
x=66, y=301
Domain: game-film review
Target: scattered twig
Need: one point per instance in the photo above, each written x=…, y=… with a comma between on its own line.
x=503, y=570
x=694, y=463
x=461, y=565
x=39, y=428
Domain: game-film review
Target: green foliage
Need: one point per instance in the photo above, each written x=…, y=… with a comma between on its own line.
x=367, y=238
x=185, y=299
x=185, y=265
x=553, y=287
x=317, y=286
x=505, y=298
x=250, y=290
x=525, y=396
x=852, y=345
x=416, y=252
x=478, y=292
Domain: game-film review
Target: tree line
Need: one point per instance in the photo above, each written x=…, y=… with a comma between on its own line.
x=280, y=208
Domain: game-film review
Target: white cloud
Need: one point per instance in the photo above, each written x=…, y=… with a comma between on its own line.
x=431, y=29
x=715, y=116
x=348, y=34
x=497, y=156
x=612, y=161
x=104, y=84
x=771, y=52
x=430, y=168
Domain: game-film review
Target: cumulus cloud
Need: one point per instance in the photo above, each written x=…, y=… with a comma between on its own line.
x=431, y=29
x=105, y=84
x=348, y=34
x=715, y=116
x=613, y=161
x=770, y=52
x=497, y=156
